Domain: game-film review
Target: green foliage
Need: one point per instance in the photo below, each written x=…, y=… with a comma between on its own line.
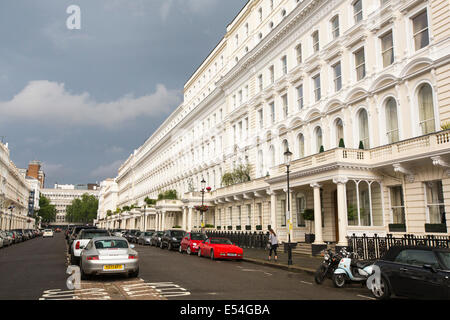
x=109, y=213
x=240, y=174
x=169, y=195
x=46, y=210
x=176, y=227
x=322, y=149
x=341, y=143
x=82, y=210
x=126, y=208
x=361, y=145
x=209, y=226
x=150, y=202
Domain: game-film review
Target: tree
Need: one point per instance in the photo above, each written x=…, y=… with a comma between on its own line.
x=46, y=211
x=82, y=210
x=341, y=143
x=361, y=145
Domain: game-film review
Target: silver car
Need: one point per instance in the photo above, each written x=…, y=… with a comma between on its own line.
x=109, y=255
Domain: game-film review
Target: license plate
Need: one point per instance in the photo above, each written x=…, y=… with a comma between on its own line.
x=231, y=254
x=113, y=267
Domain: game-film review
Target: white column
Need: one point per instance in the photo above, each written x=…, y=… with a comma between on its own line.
x=163, y=220
x=273, y=209
x=183, y=226
x=317, y=214
x=342, y=210
x=189, y=221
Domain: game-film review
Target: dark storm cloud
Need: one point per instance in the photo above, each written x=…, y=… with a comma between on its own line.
x=82, y=100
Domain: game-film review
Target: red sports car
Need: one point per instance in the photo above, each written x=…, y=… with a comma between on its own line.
x=191, y=242
x=220, y=248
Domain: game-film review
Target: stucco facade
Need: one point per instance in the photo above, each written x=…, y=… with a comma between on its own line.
x=365, y=82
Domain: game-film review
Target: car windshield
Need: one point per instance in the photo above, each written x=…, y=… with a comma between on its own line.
x=47, y=230
x=177, y=233
x=220, y=241
x=111, y=244
x=96, y=234
x=198, y=236
x=148, y=234
x=159, y=233
x=445, y=257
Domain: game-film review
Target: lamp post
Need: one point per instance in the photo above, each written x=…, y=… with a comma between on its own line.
x=10, y=220
x=203, y=184
x=287, y=160
x=145, y=220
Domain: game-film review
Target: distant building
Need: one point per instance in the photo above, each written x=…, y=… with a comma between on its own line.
x=34, y=170
x=62, y=196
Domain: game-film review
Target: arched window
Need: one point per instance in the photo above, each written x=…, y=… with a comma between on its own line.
x=318, y=134
x=363, y=120
x=261, y=163
x=339, y=131
x=271, y=156
x=391, y=121
x=426, y=109
x=301, y=146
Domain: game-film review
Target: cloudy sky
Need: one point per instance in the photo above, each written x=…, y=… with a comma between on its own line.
x=82, y=100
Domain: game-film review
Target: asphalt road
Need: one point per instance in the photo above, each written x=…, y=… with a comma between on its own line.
x=230, y=280
x=30, y=269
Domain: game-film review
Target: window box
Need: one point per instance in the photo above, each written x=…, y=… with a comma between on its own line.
x=238, y=227
x=310, y=237
x=259, y=227
x=437, y=228
x=248, y=227
x=230, y=227
x=397, y=227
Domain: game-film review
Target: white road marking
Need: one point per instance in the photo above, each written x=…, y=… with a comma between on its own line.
x=91, y=293
x=306, y=282
x=164, y=289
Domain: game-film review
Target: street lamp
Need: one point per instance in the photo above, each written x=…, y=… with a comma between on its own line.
x=203, y=185
x=287, y=162
x=10, y=220
x=145, y=220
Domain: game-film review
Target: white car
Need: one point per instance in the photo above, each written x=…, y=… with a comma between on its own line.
x=47, y=233
x=83, y=238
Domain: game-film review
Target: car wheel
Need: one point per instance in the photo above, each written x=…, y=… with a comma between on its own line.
x=199, y=252
x=83, y=275
x=339, y=280
x=180, y=250
x=382, y=293
x=169, y=246
x=134, y=274
x=188, y=250
x=212, y=254
x=161, y=245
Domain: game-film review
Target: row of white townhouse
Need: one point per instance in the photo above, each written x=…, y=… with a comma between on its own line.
x=358, y=91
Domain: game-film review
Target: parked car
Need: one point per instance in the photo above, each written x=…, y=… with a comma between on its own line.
x=156, y=238
x=117, y=233
x=171, y=239
x=414, y=272
x=47, y=233
x=108, y=255
x=191, y=242
x=74, y=234
x=7, y=239
x=131, y=235
x=145, y=237
x=220, y=248
x=83, y=238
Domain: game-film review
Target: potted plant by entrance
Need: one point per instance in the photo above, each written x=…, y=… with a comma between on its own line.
x=308, y=215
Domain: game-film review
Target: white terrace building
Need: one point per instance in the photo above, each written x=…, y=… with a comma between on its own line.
x=304, y=75
x=14, y=194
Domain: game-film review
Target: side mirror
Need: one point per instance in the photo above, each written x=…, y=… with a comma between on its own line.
x=430, y=267
x=131, y=246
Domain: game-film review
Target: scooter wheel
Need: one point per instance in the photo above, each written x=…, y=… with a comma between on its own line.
x=319, y=276
x=339, y=280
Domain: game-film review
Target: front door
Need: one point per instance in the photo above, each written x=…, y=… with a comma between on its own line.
x=336, y=221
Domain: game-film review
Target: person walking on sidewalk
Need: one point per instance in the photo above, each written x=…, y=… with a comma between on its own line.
x=273, y=240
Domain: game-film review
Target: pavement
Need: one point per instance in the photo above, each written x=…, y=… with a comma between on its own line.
x=300, y=263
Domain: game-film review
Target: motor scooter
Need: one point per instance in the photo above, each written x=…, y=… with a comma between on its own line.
x=330, y=263
x=351, y=269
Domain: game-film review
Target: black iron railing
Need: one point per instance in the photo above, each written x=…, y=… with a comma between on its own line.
x=375, y=247
x=257, y=240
